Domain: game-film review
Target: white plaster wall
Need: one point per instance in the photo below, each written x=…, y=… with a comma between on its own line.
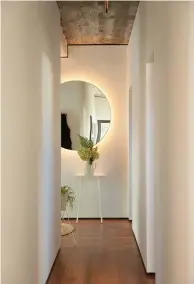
x=30, y=140
x=105, y=67
x=72, y=99
x=190, y=141
x=140, y=51
x=150, y=163
x=176, y=156
x=157, y=32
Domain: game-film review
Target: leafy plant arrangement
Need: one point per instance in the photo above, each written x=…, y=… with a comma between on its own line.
x=67, y=197
x=87, y=151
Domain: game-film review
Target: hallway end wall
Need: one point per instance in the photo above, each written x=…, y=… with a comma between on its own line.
x=105, y=67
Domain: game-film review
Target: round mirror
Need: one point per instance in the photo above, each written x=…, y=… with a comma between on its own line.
x=85, y=111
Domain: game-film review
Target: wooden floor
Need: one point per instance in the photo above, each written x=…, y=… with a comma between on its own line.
x=105, y=254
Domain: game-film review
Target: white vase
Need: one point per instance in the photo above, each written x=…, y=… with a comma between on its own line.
x=89, y=169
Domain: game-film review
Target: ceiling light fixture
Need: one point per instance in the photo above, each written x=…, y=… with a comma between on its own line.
x=106, y=6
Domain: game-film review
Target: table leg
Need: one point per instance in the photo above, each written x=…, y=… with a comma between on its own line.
x=72, y=233
x=78, y=198
x=100, y=200
x=63, y=215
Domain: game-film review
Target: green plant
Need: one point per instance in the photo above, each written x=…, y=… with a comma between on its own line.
x=85, y=142
x=87, y=151
x=67, y=196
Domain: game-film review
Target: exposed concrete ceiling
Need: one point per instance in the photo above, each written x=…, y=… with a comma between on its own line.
x=86, y=22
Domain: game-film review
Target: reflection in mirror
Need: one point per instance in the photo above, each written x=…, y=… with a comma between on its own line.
x=103, y=126
x=84, y=110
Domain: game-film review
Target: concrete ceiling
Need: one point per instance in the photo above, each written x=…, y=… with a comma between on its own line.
x=86, y=22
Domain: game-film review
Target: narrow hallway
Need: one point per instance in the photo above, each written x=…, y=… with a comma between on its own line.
x=104, y=254
x=97, y=112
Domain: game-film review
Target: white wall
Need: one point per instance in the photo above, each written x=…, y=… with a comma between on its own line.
x=72, y=96
x=160, y=38
x=105, y=67
x=141, y=53
x=30, y=140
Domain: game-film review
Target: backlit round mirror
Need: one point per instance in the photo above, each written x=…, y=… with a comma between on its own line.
x=85, y=110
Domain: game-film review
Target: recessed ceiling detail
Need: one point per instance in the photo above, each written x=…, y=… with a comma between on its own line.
x=87, y=22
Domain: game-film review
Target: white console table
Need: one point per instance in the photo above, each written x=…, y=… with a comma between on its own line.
x=97, y=176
